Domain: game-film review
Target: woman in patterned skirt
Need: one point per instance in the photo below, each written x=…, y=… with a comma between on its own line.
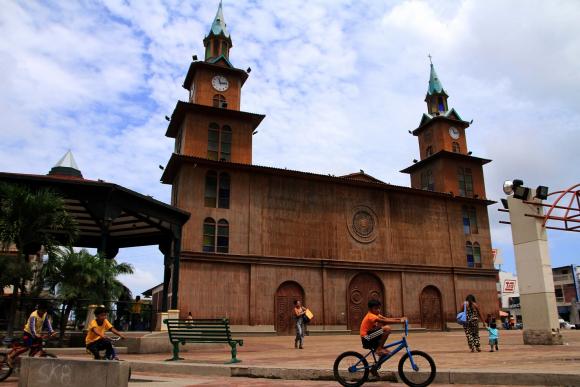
x=471, y=326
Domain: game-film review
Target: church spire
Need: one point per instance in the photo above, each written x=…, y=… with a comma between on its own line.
x=436, y=97
x=218, y=42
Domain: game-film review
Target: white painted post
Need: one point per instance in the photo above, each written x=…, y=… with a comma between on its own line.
x=536, y=283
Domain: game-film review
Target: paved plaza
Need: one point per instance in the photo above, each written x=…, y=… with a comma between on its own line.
x=205, y=366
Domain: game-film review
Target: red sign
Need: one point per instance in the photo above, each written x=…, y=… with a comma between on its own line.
x=509, y=286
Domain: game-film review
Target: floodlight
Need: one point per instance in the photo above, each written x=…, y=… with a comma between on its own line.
x=508, y=187
x=521, y=192
x=542, y=192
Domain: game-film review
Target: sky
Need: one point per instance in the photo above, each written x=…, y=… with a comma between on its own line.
x=341, y=82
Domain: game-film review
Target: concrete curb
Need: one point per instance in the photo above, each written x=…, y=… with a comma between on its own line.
x=444, y=376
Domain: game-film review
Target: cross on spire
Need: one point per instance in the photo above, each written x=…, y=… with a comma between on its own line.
x=430, y=58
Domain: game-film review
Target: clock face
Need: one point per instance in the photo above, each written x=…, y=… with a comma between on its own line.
x=454, y=133
x=220, y=83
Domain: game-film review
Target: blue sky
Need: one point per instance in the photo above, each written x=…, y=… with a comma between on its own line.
x=341, y=82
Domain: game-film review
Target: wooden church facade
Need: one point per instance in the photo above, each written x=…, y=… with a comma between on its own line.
x=259, y=237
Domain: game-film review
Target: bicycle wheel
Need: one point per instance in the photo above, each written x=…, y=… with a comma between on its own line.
x=351, y=369
x=422, y=375
x=5, y=370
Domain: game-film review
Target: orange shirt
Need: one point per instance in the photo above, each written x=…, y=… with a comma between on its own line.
x=92, y=336
x=368, y=323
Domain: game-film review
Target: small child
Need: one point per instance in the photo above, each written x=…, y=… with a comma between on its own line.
x=493, y=336
x=96, y=339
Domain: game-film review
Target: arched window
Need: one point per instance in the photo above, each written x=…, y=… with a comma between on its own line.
x=476, y=255
x=209, y=235
x=224, y=191
x=219, y=101
x=469, y=254
x=211, y=184
x=469, y=220
x=427, y=181
x=226, y=143
x=465, y=182
x=223, y=236
x=219, y=142
x=213, y=141
x=440, y=104
x=429, y=151
x=217, y=190
x=456, y=148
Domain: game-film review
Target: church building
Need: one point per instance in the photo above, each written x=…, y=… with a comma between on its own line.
x=260, y=237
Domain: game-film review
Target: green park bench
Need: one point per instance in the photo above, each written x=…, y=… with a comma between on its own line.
x=201, y=331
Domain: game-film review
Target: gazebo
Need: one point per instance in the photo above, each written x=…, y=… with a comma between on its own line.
x=110, y=217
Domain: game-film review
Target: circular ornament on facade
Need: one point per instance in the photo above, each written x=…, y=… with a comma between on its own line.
x=362, y=224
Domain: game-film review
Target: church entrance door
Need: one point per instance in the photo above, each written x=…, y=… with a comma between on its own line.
x=363, y=287
x=284, y=306
x=431, y=314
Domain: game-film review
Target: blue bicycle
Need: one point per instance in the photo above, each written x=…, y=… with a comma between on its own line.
x=416, y=368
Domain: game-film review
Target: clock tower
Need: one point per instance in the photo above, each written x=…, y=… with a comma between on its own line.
x=210, y=124
x=446, y=164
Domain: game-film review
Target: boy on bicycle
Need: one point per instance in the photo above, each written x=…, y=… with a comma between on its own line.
x=374, y=330
x=31, y=338
x=96, y=339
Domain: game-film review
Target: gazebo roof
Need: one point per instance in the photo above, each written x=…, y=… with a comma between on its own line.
x=107, y=211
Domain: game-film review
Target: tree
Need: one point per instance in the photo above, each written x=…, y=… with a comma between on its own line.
x=80, y=277
x=30, y=220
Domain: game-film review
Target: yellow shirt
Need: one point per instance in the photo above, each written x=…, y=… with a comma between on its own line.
x=38, y=323
x=92, y=336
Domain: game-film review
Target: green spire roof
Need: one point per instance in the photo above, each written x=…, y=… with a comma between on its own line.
x=219, y=25
x=435, y=86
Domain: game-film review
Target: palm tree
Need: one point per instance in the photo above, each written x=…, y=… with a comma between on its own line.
x=81, y=277
x=29, y=221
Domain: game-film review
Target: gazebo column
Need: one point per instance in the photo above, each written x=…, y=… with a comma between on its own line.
x=175, y=251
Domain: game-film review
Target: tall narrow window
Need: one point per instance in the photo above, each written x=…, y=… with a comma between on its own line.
x=469, y=220
x=224, y=48
x=224, y=191
x=226, y=143
x=466, y=222
x=219, y=101
x=213, y=141
x=473, y=220
x=427, y=182
x=178, y=140
x=465, y=182
x=469, y=254
x=211, y=184
x=216, y=47
x=456, y=148
x=440, y=104
x=476, y=255
x=209, y=235
x=223, y=236
x=429, y=151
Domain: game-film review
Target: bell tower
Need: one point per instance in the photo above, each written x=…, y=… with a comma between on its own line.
x=445, y=164
x=210, y=124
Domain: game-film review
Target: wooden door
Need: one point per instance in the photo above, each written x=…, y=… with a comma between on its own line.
x=431, y=314
x=284, y=306
x=363, y=287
